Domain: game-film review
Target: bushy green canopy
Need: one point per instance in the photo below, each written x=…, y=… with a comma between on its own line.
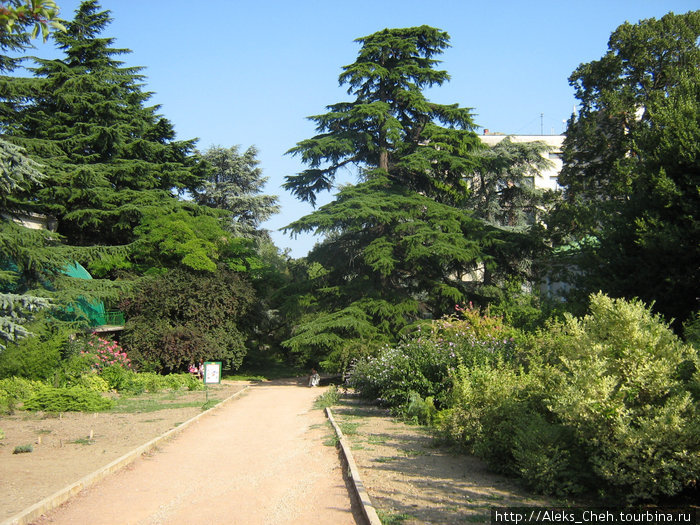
x=632, y=166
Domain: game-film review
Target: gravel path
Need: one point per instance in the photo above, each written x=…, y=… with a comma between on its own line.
x=259, y=459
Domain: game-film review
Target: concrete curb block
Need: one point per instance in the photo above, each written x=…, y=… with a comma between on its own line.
x=368, y=510
x=55, y=500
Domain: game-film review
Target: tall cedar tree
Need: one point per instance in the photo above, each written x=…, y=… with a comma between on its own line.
x=28, y=258
x=234, y=182
x=397, y=243
x=108, y=157
x=632, y=166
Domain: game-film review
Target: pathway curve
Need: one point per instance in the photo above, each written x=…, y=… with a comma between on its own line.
x=259, y=459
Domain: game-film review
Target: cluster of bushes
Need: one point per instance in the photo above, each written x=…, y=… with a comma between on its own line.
x=607, y=402
x=424, y=362
x=89, y=368
x=179, y=318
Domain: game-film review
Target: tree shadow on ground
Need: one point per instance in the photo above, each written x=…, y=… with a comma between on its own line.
x=417, y=477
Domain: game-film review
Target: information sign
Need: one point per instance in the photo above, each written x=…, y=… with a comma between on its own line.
x=212, y=372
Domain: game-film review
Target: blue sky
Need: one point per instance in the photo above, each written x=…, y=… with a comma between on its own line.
x=249, y=72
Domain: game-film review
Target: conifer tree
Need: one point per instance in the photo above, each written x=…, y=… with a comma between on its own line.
x=19, y=249
x=234, y=183
x=107, y=155
x=399, y=242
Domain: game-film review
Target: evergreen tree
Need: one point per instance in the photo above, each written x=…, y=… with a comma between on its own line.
x=234, y=183
x=19, y=249
x=631, y=166
x=398, y=243
x=107, y=156
x=504, y=197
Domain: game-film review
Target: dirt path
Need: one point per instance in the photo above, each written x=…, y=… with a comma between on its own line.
x=258, y=459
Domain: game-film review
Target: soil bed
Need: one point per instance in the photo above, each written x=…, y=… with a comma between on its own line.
x=67, y=447
x=412, y=479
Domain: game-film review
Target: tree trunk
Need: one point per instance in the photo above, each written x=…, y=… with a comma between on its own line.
x=384, y=160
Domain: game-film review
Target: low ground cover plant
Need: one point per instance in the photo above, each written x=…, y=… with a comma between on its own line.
x=92, y=367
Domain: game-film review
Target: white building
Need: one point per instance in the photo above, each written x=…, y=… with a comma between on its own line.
x=548, y=179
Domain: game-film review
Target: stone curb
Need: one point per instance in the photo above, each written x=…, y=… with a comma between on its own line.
x=34, y=512
x=368, y=510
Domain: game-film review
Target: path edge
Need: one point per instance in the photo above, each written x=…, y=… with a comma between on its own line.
x=368, y=510
x=49, y=503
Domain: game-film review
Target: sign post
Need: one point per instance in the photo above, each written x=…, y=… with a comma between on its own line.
x=212, y=375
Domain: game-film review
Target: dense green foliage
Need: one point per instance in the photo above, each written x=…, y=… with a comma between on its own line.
x=397, y=243
x=424, y=361
x=72, y=399
x=181, y=317
x=608, y=402
x=112, y=177
x=107, y=155
x=631, y=168
x=234, y=183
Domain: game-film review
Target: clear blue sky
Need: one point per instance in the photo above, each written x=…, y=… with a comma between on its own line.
x=250, y=72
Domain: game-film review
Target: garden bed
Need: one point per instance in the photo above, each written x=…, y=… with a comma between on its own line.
x=66, y=447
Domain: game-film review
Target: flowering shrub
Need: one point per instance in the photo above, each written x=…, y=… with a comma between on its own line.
x=105, y=353
x=424, y=362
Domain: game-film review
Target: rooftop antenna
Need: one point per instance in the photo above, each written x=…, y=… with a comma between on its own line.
x=541, y=123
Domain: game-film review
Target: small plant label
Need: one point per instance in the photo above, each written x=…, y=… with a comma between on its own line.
x=212, y=372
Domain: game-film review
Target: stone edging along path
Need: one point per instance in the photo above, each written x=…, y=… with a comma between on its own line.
x=368, y=510
x=55, y=500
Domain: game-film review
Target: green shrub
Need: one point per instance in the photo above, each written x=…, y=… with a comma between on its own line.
x=419, y=410
x=71, y=399
x=423, y=362
x=93, y=382
x=181, y=317
x=487, y=404
x=15, y=390
x=623, y=391
x=547, y=457
x=35, y=357
x=329, y=398
x=152, y=382
x=118, y=378
x=72, y=369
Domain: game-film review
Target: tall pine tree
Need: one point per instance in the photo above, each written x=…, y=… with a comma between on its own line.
x=108, y=156
x=234, y=182
x=398, y=244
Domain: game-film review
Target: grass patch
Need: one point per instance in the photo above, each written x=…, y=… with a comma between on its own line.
x=44, y=431
x=210, y=404
x=328, y=399
x=385, y=459
x=23, y=449
x=82, y=441
x=348, y=428
x=376, y=440
x=331, y=441
x=391, y=518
